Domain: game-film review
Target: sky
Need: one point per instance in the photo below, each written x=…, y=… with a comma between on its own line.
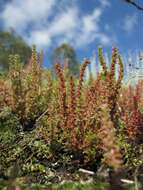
x=84, y=24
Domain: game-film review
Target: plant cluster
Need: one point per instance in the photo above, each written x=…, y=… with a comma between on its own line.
x=56, y=120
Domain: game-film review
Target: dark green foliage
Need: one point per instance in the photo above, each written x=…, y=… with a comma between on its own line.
x=9, y=126
x=66, y=55
x=12, y=44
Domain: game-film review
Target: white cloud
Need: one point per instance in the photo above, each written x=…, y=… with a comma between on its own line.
x=41, y=22
x=89, y=27
x=90, y=21
x=19, y=14
x=41, y=38
x=130, y=22
x=105, y=3
x=62, y=25
x=64, y=22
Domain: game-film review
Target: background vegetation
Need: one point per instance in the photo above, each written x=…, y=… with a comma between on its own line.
x=10, y=43
x=62, y=128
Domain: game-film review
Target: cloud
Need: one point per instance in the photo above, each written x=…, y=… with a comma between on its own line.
x=43, y=22
x=130, y=22
x=89, y=27
x=62, y=26
x=41, y=38
x=105, y=3
x=64, y=22
x=19, y=14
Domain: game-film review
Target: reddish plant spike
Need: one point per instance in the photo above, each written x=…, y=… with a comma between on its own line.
x=131, y=113
x=72, y=105
x=18, y=88
x=72, y=114
x=62, y=90
x=81, y=77
x=106, y=134
x=36, y=70
x=134, y=124
x=40, y=58
x=121, y=72
x=135, y=120
x=5, y=94
x=113, y=62
x=102, y=60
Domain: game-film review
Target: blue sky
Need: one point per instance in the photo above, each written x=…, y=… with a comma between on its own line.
x=85, y=24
